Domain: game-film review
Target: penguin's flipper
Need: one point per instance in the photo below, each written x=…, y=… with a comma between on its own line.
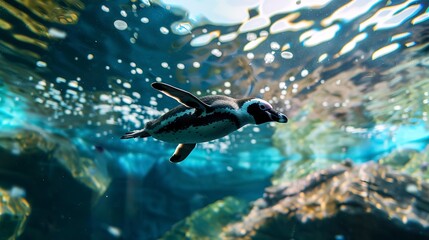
x=182, y=151
x=182, y=96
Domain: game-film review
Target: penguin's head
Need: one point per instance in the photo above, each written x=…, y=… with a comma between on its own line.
x=263, y=112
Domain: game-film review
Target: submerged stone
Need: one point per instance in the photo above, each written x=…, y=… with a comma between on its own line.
x=367, y=201
x=88, y=171
x=345, y=201
x=411, y=162
x=208, y=222
x=14, y=212
x=60, y=185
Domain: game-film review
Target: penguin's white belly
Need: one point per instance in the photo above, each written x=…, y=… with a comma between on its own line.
x=197, y=134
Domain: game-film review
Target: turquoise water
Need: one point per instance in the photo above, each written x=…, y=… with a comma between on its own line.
x=352, y=76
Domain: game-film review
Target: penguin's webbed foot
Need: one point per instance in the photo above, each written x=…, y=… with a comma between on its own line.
x=182, y=151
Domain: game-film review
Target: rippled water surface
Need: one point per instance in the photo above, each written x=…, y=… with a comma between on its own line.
x=352, y=76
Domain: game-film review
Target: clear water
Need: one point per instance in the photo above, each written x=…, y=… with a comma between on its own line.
x=352, y=76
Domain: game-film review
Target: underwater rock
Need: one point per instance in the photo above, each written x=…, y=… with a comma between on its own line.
x=14, y=211
x=367, y=201
x=23, y=141
x=346, y=201
x=410, y=162
x=59, y=203
x=398, y=158
x=59, y=183
x=208, y=222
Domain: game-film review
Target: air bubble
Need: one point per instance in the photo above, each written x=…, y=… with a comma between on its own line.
x=180, y=66
x=269, y=58
x=196, y=64
x=120, y=25
x=41, y=64
x=164, y=30
x=144, y=20
x=216, y=52
x=275, y=46
x=304, y=73
x=286, y=55
x=164, y=65
x=105, y=9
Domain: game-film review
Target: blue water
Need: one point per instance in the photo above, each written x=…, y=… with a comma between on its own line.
x=351, y=76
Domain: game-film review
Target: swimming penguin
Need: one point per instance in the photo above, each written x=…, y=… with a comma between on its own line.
x=203, y=119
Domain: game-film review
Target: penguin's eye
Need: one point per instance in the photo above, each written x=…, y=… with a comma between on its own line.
x=263, y=107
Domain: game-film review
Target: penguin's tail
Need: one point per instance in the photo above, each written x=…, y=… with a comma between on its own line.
x=136, y=133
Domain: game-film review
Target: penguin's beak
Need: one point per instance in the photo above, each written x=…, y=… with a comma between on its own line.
x=277, y=117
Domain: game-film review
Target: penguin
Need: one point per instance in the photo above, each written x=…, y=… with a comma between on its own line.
x=203, y=119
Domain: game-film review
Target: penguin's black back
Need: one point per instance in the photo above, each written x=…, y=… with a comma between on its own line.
x=218, y=101
x=209, y=100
